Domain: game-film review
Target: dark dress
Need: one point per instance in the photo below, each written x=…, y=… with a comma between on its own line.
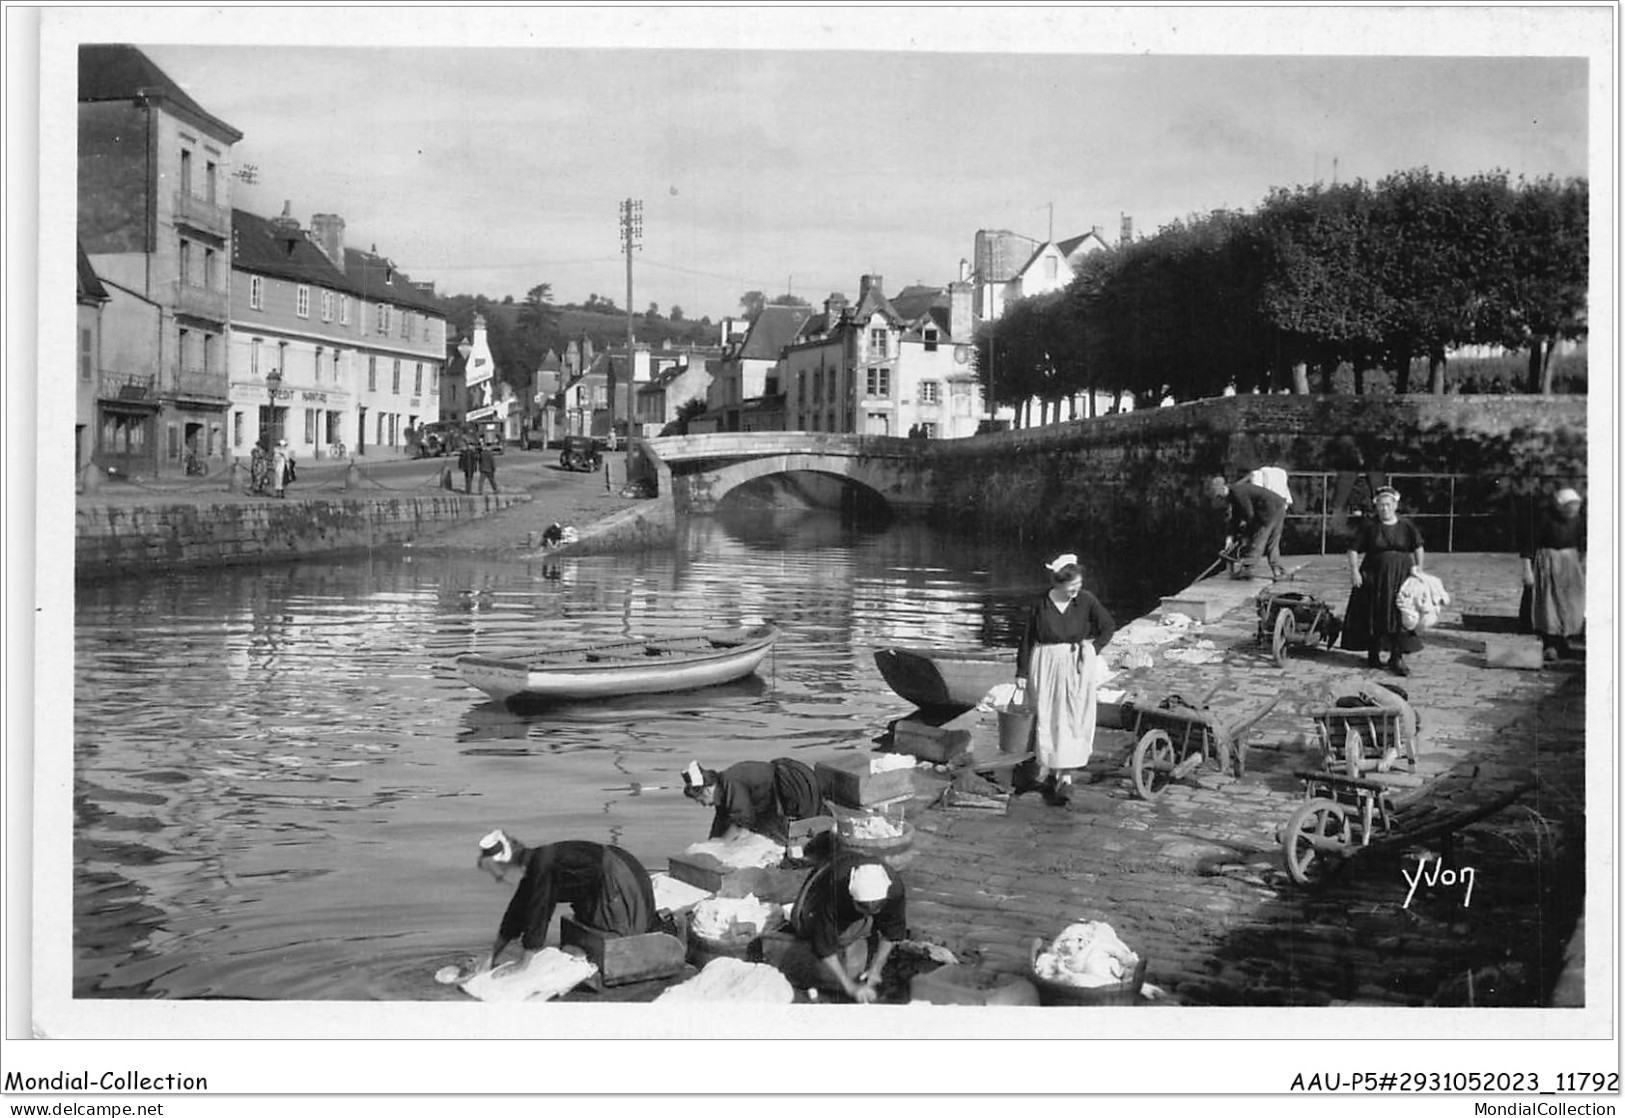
x=605, y=887
x=764, y=796
x=1388, y=554
x=826, y=918
x=1557, y=602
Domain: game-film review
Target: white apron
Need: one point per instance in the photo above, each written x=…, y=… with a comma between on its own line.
x=1061, y=693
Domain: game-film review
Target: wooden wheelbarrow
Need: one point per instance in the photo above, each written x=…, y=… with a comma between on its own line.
x=1174, y=738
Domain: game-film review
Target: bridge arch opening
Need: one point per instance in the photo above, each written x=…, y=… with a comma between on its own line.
x=807, y=491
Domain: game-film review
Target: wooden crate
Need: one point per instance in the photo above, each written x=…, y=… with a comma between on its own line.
x=769, y=883
x=623, y=959
x=1512, y=652
x=847, y=781
x=929, y=743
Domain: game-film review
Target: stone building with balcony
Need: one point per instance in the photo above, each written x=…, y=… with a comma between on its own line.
x=91, y=297
x=154, y=217
x=331, y=348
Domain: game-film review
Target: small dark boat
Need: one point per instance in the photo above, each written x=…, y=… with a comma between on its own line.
x=945, y=679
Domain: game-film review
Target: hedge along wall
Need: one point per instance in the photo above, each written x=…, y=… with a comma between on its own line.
x=113, y=538
x=1124, y=491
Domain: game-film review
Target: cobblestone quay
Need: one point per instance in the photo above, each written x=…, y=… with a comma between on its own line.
x=1195, y=881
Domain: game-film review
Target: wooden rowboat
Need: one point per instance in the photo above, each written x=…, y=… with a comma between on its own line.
x=944, y=679
x=649, y=666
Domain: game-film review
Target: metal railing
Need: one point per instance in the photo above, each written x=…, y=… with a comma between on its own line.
x=1447, y=507
x=204, y=302
x=202, y=214
x=126, y=386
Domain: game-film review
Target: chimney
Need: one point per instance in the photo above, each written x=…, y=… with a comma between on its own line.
x=960, y=323
x=964, y=270
x=870, y=283
x=1099, y=236
x=1127, y=233
x=285, y=227
x=834, y=307
x=328, y=232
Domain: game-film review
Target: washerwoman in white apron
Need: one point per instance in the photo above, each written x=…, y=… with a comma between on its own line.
x=1057, y=667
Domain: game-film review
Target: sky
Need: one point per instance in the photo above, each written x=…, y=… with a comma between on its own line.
x=489, y=150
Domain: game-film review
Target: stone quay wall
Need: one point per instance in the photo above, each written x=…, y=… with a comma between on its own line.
x=116, y=538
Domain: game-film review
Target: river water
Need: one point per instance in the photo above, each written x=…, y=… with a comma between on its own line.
x=280, y=782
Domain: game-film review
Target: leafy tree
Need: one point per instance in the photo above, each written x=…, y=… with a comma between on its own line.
x=676, y=314
x=1545, y=295
x=686, y=412
x=653, y=312
x=787, y=300
x=752, y=302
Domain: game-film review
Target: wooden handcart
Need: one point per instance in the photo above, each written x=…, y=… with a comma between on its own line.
x=1289, y=617
x=1357, y=801
x=1174, y=738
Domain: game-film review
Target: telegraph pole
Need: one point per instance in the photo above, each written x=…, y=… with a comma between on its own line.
x=631, y=238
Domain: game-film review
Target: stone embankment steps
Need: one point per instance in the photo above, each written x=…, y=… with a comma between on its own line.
x=1195, y=881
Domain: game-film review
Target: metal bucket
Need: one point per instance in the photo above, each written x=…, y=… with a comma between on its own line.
x=1016, y=727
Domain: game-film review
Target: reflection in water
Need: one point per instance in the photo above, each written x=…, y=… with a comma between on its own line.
x=279, y=779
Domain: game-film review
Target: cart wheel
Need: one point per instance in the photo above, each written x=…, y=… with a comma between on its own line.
x=1314, y=839
x=1153, y=764
x=1286, y=630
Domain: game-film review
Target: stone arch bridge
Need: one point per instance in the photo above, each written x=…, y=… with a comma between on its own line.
x=700, y=470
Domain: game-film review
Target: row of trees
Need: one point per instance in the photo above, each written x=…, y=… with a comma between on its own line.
x=1368, y=277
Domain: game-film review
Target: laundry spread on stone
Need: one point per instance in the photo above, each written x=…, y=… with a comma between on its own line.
x=872, y=827
x=730, y=917
x=745, y=851
x=1202, y=652
x=733, y=980
x=672, y=895
x=885, y=762
x=1087, y=954
x=549, y=973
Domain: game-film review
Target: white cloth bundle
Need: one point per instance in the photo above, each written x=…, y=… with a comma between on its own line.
x=673, y=895
x=885, y=762
x=549, y=973
x=872, y=827
x=745, y=851
x=1420, y=598
x=721, y=917
x=999, y=698
x=1087, y=955
x=733, y=980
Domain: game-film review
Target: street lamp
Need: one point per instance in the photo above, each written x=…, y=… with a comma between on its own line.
x=273, y=382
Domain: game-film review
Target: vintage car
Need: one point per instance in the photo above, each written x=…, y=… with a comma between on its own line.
x=581, y=453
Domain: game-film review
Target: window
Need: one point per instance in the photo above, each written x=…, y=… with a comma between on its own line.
x=174, y=442
x=930, y=341
x=184, y=350
x=417, y=381
x=344, y=310
x=929, y=430
x=383, y=318
x=335, y=369
x=208, y=353
x=879, y=382
x=254, y=356
x=929, y=392
x=211, y=175
x=281, y=358
x=327, y=306
x=256, y=293
x=186, y=260
x=209, y=279
x=310, y=426
x=877, y=343
x=301, y=301
x=237, y=429
x=186, y=172
x=380, y=439
x=406, y=325
x=372, y=374
x=87, y=353
x=316, y=364
x=395, y=379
